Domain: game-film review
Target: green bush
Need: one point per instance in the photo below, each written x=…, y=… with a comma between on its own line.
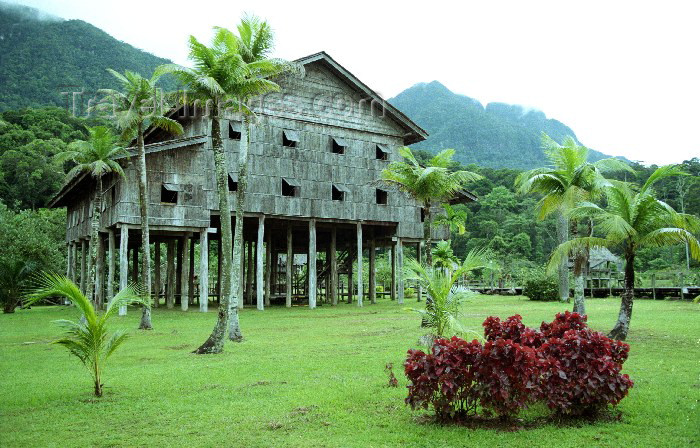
x=540, y=286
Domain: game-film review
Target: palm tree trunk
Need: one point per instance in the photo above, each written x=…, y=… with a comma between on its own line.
x=145, y=232
x=579, y=265
x=94, y=235
x=234, y=331
x=563, y=236
x=215, y=342
x=623, y=320
x=427, y=232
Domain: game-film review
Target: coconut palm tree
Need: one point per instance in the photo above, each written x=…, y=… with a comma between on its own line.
x=88, y=338
x=430, y=185
x=95, y=156
x=441, y=311
x=138, y=107
x=226, y=76
x=630, y=221
x=569, y=179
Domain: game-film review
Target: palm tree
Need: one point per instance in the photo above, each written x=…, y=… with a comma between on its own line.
x=453, y=219
x=441, y=311
x=444, y=258
x=230, y=73
x=14, y=274
x=138, y=108
x=430, y=185
x=631, y=221
x=95, y=156
x=86, y=339
x=570, y=179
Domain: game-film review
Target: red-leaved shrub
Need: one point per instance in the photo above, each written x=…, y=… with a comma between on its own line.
x=566, y=365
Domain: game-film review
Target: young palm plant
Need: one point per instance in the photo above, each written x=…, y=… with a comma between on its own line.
x=568, y=180
x=13, y=278
x=88, y=338
x=138, y=108
x=441, y=312
x=630, y=221
x=454, y=219
x=430, y=185
x=95, y=156
x=226, y=76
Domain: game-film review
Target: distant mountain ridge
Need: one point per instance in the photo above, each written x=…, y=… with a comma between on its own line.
x=42, y=55
x=499, y=135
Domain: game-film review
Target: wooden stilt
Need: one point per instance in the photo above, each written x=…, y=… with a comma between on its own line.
x=203, y=271
x=83, y=265
x=419, y=258
x=360, y=284
x=250, y=270
x=178, y=270
x=259, y=265
x=185, y=273
x=268, y=268
x=312, y=264
x=123, y=263
x=156, y=275
x=190, y=296
x=290, y=266
x=393, y=271
x=219, y=259
x=111, y=246
x=334, y=266
x=100, y=273
x=170, y=275
x=372, y=272
x=399, y=268
x=241, y=277
x=74, y=262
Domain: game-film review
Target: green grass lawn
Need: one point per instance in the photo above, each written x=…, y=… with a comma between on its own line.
x=315, y=379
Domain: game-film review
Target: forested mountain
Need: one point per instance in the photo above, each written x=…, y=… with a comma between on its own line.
x=498, y=135
x=41, y=55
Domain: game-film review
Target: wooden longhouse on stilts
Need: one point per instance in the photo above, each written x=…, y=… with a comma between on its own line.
x=316, y=152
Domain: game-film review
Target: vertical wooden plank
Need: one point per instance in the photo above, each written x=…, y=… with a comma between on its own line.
x=83, y=265
x=68, y=260
x=250, y=270
x=241, y=277
x=259, y=265
x=334, y=266
x=135, y=264
x=399, y=269
x=100, y=273
x=156, y=275
x=312, y=264
x=268, y=268
x=178, y=269
x=393, y=271
x=203, y=271
x=190, y=297
x=170, y=275
x=74, y=262
x=111, y=246
x=219, y=262
x=290, y=265
x=185, y=273
x=372, y=271
x=653, y=285
x=351, y=285
x=123, y=263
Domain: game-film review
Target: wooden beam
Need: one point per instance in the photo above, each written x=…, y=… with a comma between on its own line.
x=312, y=264
x=83, y=265
x=111, y=246
x=360, y=285
x=334, y=266
x=372, y=271
x=100, y=273
x=123, y=263
x=290, y=266
x=393, y=271
x=135, y=264
x=399, y=268
x=419, y=258
x=170, y=275
x=268, y=268
x=241, y=276
x=185, y=274
x=156, y=275
x=259, y=265
x=203, y=271
x=250, y=270
x=190, y=297
x=74, y=262
x=178, y=268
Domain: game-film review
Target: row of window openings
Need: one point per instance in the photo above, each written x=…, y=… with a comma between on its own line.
x=289, y=189
x=290, y=139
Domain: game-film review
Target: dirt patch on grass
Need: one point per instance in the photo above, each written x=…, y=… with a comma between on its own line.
x=178, y=347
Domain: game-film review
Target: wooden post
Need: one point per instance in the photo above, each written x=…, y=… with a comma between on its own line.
x=68, y=260
x=372, y=271
x=190, y=298
x=259, y=262
x=250, y=270
x=419, y=258
x=203, y=271
x=156, y=275
x=360, y=285
x=312, y=264
x=100, y=273
x=290, y=265
x=135, y=264
x=399, y=268
x=185, y=273
x=393, y=271
x=74, y=262
x=241, y=276
x=123, y=262
x=83, y=265
x=653, y=285
x=681, y=281
x=170, y=275
x=334, y=266
x=351, y=284
x=268, y=268
x=178, y=269
x=218, y=267
x=111, y=246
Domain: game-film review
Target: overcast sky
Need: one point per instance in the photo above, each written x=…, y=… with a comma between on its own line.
x=623, y=75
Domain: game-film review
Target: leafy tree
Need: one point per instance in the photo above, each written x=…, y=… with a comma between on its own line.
x=227, y=74
x=137, y=109
x=430, y=185
x=95, y=156
x=569, y=180
x=633, y=219
x=86, y=339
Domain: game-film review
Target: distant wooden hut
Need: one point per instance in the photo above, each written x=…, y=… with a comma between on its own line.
x=315, y=156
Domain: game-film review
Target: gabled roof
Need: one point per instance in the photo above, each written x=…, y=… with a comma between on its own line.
x=414, y=133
